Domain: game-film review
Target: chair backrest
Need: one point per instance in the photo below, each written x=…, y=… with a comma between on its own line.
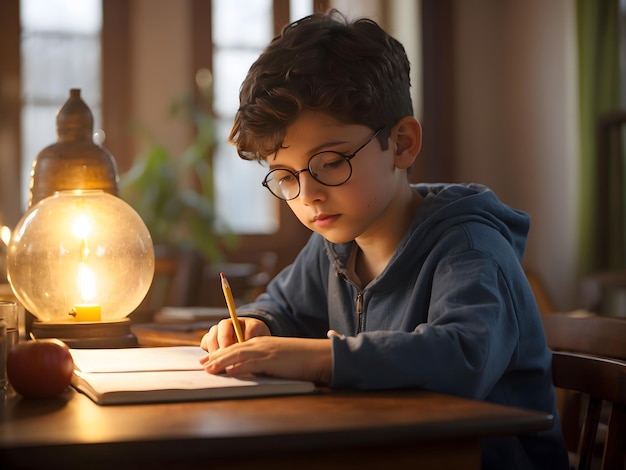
x=588, y=358
x=602, y=380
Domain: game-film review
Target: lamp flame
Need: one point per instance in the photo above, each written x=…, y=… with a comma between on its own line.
x=82, y=226
x=86, y=283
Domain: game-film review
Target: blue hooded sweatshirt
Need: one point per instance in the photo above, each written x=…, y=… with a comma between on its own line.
x=452, y=312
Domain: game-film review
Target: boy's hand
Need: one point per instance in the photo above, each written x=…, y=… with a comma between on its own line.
x=223, y=334
x=290, y=358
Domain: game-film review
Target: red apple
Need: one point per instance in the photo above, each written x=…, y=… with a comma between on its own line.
x=40, y=368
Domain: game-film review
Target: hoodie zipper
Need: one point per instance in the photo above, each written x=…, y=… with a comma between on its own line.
x=358, y=300
x=359, y=312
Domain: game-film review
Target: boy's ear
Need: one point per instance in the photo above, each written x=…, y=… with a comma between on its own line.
x=406, y=138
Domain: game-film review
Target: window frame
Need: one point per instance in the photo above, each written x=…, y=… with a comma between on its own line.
x=10, y=122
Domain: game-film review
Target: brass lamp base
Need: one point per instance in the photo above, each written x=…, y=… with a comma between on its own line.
x=88, y=335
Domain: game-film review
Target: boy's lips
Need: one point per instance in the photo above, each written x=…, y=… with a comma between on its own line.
x=324, y=220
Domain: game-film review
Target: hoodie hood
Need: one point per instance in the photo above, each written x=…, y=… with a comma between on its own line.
x=447, y=205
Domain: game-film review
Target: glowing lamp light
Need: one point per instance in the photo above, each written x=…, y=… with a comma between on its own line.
x=81, y=257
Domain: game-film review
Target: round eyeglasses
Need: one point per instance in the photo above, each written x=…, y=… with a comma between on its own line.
x=329, y=168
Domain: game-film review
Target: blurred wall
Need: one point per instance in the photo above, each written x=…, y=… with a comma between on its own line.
x=516, y=122
x=161, y=60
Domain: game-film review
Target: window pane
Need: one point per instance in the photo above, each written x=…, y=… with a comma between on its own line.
x=230, y=66
x=242, y=29
x=299, y=9
x=71, y=16
x=53, y=63
x=242, y=23
x=241, y=200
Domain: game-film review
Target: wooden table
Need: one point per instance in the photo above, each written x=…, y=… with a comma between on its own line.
x=329, y=429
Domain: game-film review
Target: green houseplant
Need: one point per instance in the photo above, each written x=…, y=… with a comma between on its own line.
x=174, y=194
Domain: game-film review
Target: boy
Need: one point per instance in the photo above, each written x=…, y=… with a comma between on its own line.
x=400, y=285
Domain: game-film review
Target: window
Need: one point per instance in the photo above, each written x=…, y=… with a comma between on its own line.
x=60, y=50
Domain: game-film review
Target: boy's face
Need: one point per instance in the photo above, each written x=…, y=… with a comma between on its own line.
x=355, y=208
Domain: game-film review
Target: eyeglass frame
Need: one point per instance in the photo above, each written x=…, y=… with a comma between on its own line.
x=296, y=174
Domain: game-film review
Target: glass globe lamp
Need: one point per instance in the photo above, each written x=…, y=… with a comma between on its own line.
x=81, y=261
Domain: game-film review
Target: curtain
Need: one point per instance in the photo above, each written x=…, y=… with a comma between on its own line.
x=598, y=72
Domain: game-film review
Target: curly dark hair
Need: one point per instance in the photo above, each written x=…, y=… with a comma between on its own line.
x=353, y=71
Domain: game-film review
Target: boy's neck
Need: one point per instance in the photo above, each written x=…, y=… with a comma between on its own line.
x=376, y=250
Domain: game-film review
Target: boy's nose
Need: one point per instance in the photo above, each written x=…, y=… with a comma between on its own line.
x=310, y=189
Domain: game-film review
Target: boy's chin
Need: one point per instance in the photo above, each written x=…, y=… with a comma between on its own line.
x=335, y=238
x=332, y=234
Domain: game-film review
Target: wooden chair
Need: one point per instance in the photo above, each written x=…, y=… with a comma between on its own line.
x=603, y=381
x=588, y=359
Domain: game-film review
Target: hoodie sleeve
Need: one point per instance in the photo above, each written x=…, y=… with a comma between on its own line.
x=469, y=341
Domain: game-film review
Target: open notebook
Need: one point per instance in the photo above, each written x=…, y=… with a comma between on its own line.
x=161, y=374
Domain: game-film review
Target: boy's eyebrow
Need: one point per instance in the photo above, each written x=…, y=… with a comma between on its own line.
x=321, y=147
x=317, y=149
